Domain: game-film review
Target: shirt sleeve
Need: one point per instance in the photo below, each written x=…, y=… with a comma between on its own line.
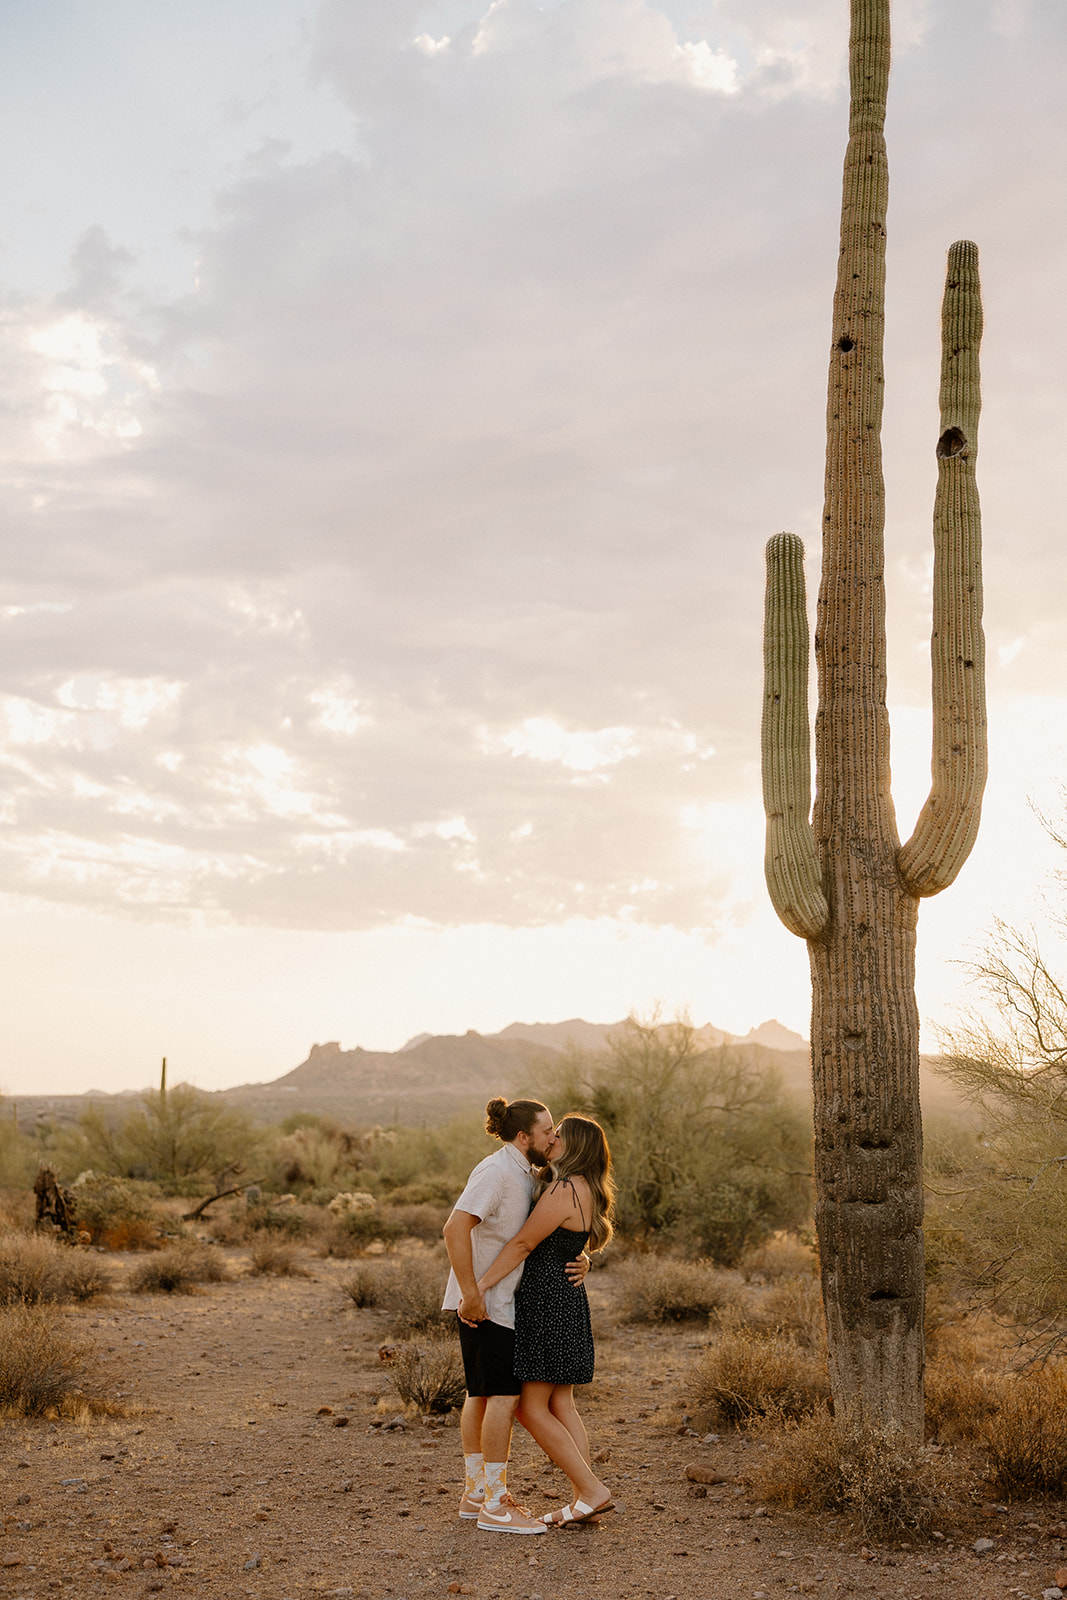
x=482, y=1195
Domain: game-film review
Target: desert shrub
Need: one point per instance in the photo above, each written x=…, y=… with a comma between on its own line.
x=355, y=1231
x=178, y=1270
x=413, y=1291
x=363, y=1287
x=29, y=1270
x=118, y=1213
x=289, y=1221
x=1026, y=1439
x=745, y=1374
x=44, y=1369
x=276, y=1258
x=349, y=1201
x=710, y=1152
x=37, y=1270
x=417, y=1219
x=794, y=1306
x=18, y=1153
x=783, y=1255
x=959, y=1398
x=430, y=1375
x=171, y=1137
x=885, y=1485
x=663, y=1289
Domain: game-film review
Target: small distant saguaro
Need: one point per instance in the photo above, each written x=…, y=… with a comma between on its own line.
x=842, y=880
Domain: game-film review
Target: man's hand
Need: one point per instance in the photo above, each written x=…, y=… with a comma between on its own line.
x=576, y=1270
x=472, y=1309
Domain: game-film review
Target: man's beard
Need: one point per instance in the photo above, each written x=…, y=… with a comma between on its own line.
x=537, y=1158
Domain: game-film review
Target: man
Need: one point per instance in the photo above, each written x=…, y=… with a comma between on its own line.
x=489, y=1212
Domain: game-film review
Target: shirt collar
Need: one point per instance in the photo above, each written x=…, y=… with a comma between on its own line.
x=517, y=1155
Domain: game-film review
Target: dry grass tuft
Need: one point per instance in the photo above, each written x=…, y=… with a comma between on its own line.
x=792, y=1306
x=1027, y=1437
x=35, y=1270
x=413, y=1291
x=664, y=1289
x=783, y=1255
x=364, y=1287
x=745, y=1375
x=430, y=1375
x=276, y=1258
x=883, y=1484
x=178, y=1270
x=960, y=1399
x=44, y=1370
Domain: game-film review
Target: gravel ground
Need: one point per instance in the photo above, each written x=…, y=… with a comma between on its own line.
x=250, y=1464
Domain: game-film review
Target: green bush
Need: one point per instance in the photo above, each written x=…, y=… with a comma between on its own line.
x=710, y=1153
x=118, y=1213
x=178, y=1138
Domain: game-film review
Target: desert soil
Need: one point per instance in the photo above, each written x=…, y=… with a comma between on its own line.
x=253, y=1462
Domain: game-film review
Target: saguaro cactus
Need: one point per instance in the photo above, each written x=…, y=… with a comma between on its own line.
x=843, y=881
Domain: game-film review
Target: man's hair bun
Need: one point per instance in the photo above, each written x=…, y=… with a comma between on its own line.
x=496, y=1114
x=504, y=1121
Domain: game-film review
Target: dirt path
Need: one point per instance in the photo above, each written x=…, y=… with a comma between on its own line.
x=229, y=1482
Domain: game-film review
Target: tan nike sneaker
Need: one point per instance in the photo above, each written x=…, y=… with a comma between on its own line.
x=507, y=1517
x=470, y=1509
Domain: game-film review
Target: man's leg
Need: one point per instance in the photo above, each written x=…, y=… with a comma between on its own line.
x=470, y=1428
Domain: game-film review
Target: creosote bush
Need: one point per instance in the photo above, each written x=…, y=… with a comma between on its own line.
x=1027, y=1437
x=870, y=1473
x=44, y=1369
x=664, y=1289
x=745, y=1374
x=430, y=1375
x=178, y=1271
x=118, y=1213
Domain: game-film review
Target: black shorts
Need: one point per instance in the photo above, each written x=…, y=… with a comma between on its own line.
x=489, y=1359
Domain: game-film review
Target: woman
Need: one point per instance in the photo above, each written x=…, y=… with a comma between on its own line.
x=553, y=1336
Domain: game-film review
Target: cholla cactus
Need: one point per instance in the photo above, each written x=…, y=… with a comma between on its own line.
x=346, y=1205
x=843, y=881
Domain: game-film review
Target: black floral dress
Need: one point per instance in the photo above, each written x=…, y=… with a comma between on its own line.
x=553, y=1333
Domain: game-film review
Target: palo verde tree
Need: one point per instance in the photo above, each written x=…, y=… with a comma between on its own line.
x=842, y=880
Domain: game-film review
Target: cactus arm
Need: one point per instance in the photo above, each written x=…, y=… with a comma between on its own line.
x=791, y=864
x=948, y=822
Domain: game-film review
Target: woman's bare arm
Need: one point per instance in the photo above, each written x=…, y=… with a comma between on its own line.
x=555, y=1209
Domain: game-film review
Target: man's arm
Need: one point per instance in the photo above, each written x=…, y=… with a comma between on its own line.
x=457, y=1236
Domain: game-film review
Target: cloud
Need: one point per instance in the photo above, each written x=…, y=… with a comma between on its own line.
x=410, y=567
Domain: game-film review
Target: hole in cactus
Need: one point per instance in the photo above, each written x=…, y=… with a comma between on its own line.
x=845, y=344
x=883, y=1294
x=875, y=1144
x=853, y=1041
x=951, y=443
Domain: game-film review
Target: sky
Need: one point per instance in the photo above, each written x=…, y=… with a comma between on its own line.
x=396, y=401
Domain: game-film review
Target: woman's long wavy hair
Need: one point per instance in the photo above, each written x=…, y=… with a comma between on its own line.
x=585, y=1154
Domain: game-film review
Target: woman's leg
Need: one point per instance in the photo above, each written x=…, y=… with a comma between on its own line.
x=562, y=1406
x=557, y=1442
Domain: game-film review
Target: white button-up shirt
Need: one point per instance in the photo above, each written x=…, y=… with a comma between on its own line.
x=500, y=1192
